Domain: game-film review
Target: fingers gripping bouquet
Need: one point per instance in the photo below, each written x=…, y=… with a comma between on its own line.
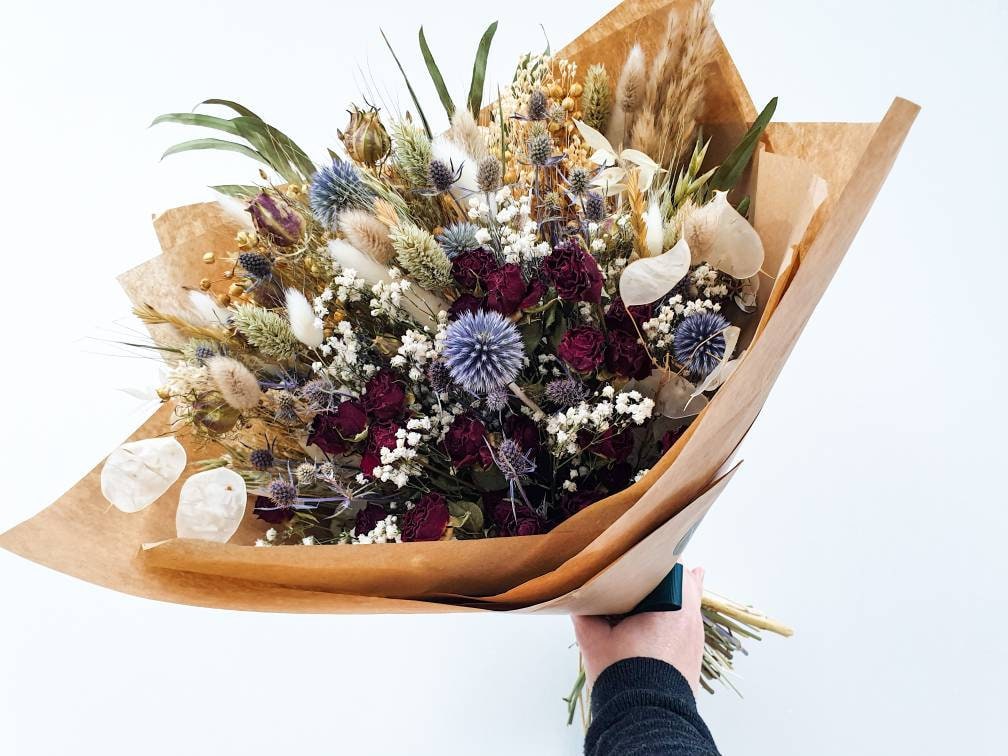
x=500, y=366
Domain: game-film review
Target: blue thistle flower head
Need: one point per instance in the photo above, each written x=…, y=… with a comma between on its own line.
x=699, y=343
x=483, y=351
x=514, y=461
x=458, y=238
x=334, y=189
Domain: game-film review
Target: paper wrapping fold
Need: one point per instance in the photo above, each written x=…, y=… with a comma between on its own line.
x=619, y=536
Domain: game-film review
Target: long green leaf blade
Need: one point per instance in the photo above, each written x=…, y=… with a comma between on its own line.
x=296, y=156
x=479, y=70
x=238, y=191
x=214, y=144
x=435, y=74
x=198, y=119
x=255, y=133
x=730, y=171
x=416, y=102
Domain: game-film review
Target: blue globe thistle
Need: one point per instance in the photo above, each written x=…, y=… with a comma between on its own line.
x=335, y=189
x=513, y=461
x=699, y=343
x=458, y=238
x=564, y=393
x=496, y=399
x=483, y=351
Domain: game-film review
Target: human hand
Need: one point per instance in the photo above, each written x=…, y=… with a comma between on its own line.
x=673, y=637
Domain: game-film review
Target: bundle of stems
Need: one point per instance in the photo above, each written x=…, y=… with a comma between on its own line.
x=726, y=623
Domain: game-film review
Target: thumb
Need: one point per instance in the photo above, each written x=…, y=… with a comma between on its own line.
x=590, y=631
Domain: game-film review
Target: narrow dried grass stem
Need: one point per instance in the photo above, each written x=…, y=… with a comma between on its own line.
x=746, y=616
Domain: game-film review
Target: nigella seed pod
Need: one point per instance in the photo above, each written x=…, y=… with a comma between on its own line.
x=540, y=148
x=488, y=174
x=441, y=176
x=256, y=265
x=366, y=140
x=275, y=220
x=537, y=106
x=594, y=207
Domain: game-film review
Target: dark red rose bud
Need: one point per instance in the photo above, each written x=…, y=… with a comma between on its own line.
x=379, y=437
x=611, y=444
x=367, y=518
x=621, y=318
x=427, y=520
x=583, y=348
x=505, y=289
x=626, y=356
x=574, y=272
x=333, y=432
x=466, y=444
x=465, y=303
x=570, y=504
x=384, y=397
x=470, y=269
x=513, y=518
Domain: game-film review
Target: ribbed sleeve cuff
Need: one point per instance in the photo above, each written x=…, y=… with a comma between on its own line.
x=636, y=680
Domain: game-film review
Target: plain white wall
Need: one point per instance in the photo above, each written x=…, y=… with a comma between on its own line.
x=870, y=511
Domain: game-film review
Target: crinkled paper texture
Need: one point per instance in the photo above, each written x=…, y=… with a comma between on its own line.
x=606, y=557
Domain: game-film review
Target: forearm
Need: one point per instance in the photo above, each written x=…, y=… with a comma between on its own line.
x=644, y=706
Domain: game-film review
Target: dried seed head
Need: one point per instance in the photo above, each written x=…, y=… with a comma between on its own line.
x=488, y=174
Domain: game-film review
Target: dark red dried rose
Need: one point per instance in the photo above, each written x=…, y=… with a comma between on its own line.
x=384, y=397
x=670, y=437
x=427, y=520
x=574, y=272
x=266, y=510
x=611, y=444
x=617, y=317
x=367, y=518
x=379, y=437
x=465, y=442
x=626, y=356
x=513, y=518
x=505, y=289
x=570, y=504
x=583, y=348
x=470, y=269
x=333, y=432
x=614, y=477
x=523, y=431
x=465, y=303
x=533, y=294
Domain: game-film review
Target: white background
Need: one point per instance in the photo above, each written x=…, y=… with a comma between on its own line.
x=870, y=512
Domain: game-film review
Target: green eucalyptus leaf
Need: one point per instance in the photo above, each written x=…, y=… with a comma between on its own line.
x=435, y=74
x=730, y=171
x=479, y=70
x=416, y=102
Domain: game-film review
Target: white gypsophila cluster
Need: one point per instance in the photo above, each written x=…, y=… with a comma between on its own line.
x=640, y=475
x=309, y=541
x=609, y=410
x=270, y=538
x=513, y=222
x=576, y=471
x=706, y=280
x=613, y=269
x=343, y=351
x=416, y=351
x=346, y=286
x=385, y=531
x=549, y=366
x=659, y=331
x=387, y=297
x=398, y=465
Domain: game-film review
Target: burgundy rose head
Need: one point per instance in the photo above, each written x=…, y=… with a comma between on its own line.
x=384, y=397
x=466, y=444
x=611, y=444
x=670, y=437
x=614, y=477
x=367, y=518
x=513, y=518
x=379, y=437
x=507, y=291
x=570, y=504
x=463, y=304
x=621, y=318
x=523, y=431
x=574, y=272
x=275, y=220
x=583, y=348
x=470, y=269
x=626, y=356
x=427, y=520
x=333, y=432
x=266, y=510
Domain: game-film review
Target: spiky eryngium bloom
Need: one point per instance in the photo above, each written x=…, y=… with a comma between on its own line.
x=578, y=180
x=540, y=148
x=261, y=459
x=283, y=493
x=412, y=152
x=235, y=382
x=488, y=174
x=594, y=207
x=483, y=351
x=318, y=394
x=337, y=188
x=286, y=408
x=564, y=393
x=496, y=399
x=266, y=331
x=420, y=255
x=514, y=462
x=596, y=100
x=699, y=343
x=439, y=377
x=442, y=175
x=368, y=234
x=306, y=474
x=537, y=105
x=256, y=265
x=458, y=238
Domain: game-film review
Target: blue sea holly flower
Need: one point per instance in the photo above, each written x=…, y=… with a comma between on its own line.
x=483, y=351
x=334, y=189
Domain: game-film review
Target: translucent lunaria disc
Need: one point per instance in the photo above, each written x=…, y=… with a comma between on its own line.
x=137, y=473
x=211, y=505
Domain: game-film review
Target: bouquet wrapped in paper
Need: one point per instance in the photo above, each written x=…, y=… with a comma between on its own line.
x=501, y=368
